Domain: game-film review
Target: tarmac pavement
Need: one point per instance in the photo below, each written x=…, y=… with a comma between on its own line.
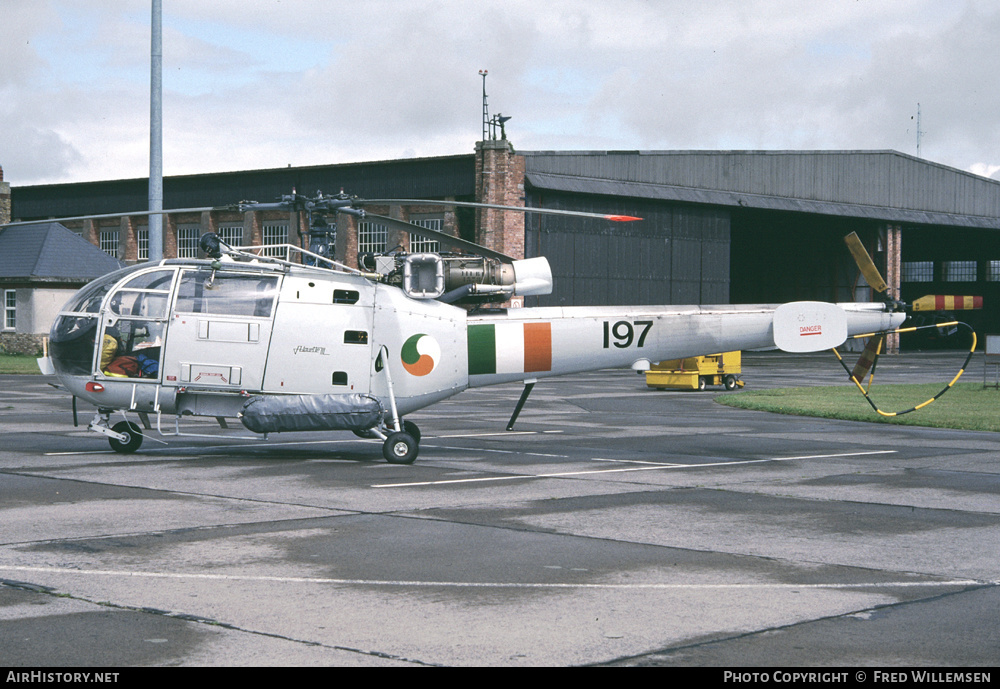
x=616, y=525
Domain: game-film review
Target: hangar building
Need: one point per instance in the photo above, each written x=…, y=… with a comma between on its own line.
x=718, y=226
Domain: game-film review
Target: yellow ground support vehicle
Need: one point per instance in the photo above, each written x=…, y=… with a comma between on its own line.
x=697, y=372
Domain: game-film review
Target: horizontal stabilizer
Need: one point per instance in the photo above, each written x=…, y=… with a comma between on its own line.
x=809, y=326
x=941, y=302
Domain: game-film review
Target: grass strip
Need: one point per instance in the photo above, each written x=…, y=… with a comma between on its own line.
x=18, y=363
x=967, y=406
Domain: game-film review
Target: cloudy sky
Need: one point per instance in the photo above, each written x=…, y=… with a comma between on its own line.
x=252, y=84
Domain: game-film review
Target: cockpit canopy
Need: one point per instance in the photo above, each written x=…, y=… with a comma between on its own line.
x=131, y=306
x=74, y=333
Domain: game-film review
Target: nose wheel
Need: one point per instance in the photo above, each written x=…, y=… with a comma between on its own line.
x=130, y=437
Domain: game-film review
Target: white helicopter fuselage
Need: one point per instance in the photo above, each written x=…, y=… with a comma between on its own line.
x=215, y=335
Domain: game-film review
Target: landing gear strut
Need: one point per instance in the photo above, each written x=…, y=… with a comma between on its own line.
x=402, y=443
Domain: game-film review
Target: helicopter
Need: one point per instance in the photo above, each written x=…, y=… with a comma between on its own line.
x=303, y=343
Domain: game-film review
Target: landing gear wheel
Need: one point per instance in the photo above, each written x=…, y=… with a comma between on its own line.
x=729, y=382
x=133, y=438
x=412, y=429
x=702, y=383
x=400, y=448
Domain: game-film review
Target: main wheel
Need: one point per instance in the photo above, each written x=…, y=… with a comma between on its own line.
x=133, y=437
x=400, y=448
x=729, y=382
x=702, y=383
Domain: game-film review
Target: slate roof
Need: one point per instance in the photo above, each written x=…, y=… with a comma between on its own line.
x=49, y=252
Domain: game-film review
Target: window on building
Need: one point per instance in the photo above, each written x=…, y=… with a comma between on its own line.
x=109, y=242
x=420, y=244
x=274, y=234
x=918, y=271
x=372, y=238
x=9, y=309
x=142, y=243
x=958, y=271
x=187, y=241
x=231, y=234
x=993, y=274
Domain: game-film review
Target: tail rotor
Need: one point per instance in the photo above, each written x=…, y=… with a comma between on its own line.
x=865, y=367
x=929, y=302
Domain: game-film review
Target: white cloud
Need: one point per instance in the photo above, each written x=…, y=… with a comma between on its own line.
x=265, y=84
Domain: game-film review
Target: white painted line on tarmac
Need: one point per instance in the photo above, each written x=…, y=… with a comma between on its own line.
x=492, y=434
x=658, y=467
x=499, y=452
x=247, y=442
x=253, y=440
x=128, y=574
x=637, y=461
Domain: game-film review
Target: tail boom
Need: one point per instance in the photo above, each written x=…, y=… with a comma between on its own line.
x=533, y=343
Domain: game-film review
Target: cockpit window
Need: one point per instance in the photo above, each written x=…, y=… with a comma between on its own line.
x=130, y=348
x=145, y=295
x=208, y=292
x=149, y=304
x=135, y=326
x=88, y=299
x=71, y=344
x=157, y=280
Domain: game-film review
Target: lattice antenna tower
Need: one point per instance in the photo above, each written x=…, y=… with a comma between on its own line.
x=486, y=109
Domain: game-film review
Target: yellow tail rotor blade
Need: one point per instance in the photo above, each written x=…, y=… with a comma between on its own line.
x=941, y=302
x=867, y=358
x=865, y=262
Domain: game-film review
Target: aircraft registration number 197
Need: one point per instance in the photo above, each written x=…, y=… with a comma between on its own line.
x=622, y=334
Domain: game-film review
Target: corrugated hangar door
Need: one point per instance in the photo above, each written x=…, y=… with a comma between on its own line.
x=677, y=254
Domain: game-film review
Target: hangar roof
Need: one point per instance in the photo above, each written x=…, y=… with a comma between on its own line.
x=404, y=178
x=882, y=185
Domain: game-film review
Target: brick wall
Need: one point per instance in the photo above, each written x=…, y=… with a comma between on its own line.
x=500, y=180
x=4, y=199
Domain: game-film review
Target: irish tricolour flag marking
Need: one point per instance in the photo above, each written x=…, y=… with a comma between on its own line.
x=510, y=348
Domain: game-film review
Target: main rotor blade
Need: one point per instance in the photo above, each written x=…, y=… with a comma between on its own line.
x=865, y=262
x=105, y=216
x=520, y=209
x=442, y=237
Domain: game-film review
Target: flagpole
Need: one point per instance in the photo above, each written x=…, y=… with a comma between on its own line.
x=156, y=134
